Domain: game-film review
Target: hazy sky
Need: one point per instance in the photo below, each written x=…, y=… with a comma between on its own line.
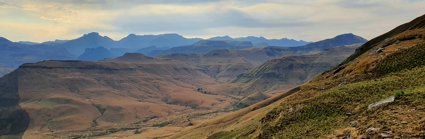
x=42, y=20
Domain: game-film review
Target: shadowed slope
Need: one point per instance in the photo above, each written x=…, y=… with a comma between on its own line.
x=13, y=119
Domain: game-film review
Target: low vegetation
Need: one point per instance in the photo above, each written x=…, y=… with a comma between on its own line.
x=404, y=59
x=335, y=108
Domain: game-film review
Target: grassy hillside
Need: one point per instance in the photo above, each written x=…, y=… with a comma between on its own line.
x=349, y=100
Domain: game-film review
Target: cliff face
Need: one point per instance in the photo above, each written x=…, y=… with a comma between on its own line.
x=13, y=119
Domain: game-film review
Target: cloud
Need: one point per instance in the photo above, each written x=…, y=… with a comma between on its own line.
x=300, y=19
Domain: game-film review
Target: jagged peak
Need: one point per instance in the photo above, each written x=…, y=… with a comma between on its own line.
x=93, y=35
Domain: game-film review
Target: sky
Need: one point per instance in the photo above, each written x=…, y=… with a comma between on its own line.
x=311, y=20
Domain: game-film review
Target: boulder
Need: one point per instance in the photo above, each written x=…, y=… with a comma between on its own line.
x=380, y=50
x=372, y=131
x=387, y=134
x=381, y=103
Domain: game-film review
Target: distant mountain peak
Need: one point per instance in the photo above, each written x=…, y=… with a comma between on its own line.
x=349, y=36
x=94, y=35
x=131, y=35
x=2, y=39
x=221, y=38
x=339, y=40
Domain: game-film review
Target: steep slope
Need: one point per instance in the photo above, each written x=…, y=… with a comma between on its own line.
x=86, y=99
x=377, y=93
x=291, y=71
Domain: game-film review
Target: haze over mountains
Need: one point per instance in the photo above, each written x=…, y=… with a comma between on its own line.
x=261, y=41
x=93, y=46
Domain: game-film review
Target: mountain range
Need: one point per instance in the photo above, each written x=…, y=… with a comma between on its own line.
x=89, y=47
x=261, y=41
x=87, y=99
x=93, y=46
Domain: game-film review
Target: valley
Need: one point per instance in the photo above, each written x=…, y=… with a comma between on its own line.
x=72, y=98
x=184, y=69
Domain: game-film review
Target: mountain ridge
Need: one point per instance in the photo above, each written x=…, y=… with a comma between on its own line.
x=262, y=41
